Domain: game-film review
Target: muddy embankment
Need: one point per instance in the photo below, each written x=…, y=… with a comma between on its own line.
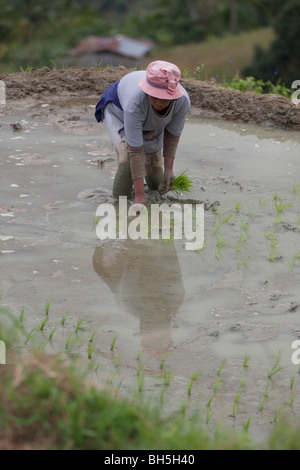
x=208, y=99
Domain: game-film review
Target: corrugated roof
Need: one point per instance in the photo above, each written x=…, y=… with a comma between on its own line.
x=122, y=45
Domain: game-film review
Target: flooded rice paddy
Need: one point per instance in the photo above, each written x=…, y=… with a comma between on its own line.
x=153, y=318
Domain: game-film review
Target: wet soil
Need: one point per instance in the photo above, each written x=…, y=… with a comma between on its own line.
x=208, y=98
x=237, y=296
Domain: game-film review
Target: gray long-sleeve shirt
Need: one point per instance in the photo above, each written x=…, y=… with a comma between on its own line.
x=138, y=120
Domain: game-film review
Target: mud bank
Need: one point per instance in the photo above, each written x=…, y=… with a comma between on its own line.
x=208, y=98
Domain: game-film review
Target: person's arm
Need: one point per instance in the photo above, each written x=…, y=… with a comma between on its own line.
x=137, y=166
x=169, y=151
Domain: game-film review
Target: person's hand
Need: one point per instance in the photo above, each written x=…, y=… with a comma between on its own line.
x=169, y=176
x=139, y=191
x=140, y=199
x=166, y=186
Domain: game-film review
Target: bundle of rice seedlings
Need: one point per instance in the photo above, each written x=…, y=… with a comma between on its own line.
x=181, y=183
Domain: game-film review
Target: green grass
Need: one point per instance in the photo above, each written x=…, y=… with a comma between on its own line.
x=72, y=414
x=223, y=57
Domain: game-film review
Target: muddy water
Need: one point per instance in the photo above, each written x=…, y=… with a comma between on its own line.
x=237, y=296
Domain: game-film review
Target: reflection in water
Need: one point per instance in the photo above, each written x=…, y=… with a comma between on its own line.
x=145, y=277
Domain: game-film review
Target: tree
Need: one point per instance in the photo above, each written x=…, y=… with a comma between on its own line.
x=281, y=60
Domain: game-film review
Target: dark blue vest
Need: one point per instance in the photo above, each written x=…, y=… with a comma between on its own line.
x=109, y=96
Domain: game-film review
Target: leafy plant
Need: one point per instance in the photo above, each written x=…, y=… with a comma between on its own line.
x=181, y=183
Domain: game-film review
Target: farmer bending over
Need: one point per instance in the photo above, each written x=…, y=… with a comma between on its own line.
x=145, y=114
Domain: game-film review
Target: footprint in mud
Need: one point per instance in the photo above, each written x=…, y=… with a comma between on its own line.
x=98, y=196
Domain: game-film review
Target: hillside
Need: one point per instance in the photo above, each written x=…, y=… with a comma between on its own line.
x=223, y=57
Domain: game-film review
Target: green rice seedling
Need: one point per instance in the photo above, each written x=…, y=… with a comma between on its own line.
x=47, y=307
x=208, y=415
x=140, y=382
x=268, y=234
x=63, y=320
x=276, y=368
x=117, y=360
x=162, y=393
x=183, y=409
x=239, y=392
x=221, y=243
x=242, y=385
x=266, y=392
x=118, y=389
x=295, y=260
x=92, y=336
x=262, y=203
x=244, y=226
x=280, y=208
x=181, y=183
x=163, y=360
x=261, y=404
x=292, y=381
x=243, y=262
x=216, y=385
x=113, y=341
x=40, y=348
x=277, y=413
x=220, y=223
x=237, y=397
x=221, y=367
x=237, y=206
x=29, y=336
x=234, y=408
x=209, y=401
x=52, y=332
x=246, y=360
x=22, y=315
x=140, y=354
x=274, y=243
x=140, y=368
x=292, y=399
x=194, y=377
x=44, y=323
x=68, y=342
x=97, y=366
x=110, y=379
x=294, y=190
x=79, y=323
x=247, y=424
x=251, y=213
x=168, y=376
x=91, y=349
x=242, y=240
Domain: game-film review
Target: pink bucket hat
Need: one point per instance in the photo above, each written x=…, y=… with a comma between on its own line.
x=162, y=81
